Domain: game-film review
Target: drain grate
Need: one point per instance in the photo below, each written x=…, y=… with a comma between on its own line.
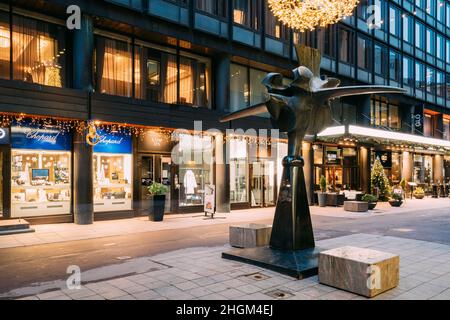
x=279, y=294
x=257, y=276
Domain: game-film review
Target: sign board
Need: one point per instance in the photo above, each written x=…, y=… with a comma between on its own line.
x=417, y=120
x=5, y=137
x=210, y=199
x=114, y=143
x=35, y=138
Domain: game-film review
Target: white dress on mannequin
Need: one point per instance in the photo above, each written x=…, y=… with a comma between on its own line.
x=190, y=183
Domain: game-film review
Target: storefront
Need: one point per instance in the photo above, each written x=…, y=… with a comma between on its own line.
x=40, y=171
x=112, y=167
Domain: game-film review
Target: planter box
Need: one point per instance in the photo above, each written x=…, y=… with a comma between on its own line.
x=356, y=206
x=250, y=235
x=362, y=271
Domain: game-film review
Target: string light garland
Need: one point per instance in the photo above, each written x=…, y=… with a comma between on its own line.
x=305, y=15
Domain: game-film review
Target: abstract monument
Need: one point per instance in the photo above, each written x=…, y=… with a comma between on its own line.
x=301, y=108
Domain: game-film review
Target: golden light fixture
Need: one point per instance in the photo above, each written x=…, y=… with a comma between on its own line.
x=305, y=15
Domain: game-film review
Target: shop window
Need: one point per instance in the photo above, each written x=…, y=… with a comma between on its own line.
x=40, y=172
x=238, y=171
x=419, y=172
x=195, y=168
x=333, y=156
x=5, y=45
x=114, y=67
x=112, y=165
x=38, y=51
x=318, y=154
x=428, y=169
x=258, y=91
x=396, y=168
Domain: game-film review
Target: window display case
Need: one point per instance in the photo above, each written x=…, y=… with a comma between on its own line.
x=112, y=169
x=40, y=183
x=112, y=182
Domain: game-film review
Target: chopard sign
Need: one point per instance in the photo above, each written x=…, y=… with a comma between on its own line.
x=107, y=141
x=42, y=137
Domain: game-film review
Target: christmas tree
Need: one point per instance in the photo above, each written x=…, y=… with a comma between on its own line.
x=53, y=77
x=379, y=181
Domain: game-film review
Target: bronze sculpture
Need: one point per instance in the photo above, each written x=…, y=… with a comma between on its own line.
x=301, y=108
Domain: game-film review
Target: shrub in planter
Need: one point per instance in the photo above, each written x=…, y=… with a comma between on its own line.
x=158, y=195
x=322, y=197
x=371, y=199
x=419, y=193
x=396, y=200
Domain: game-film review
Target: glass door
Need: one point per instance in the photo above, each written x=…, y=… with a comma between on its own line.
x=262, y=191
x=154, y=168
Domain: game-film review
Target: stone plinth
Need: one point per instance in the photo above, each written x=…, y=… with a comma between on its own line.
x=362, y=271
x=250, y=235
x=356, y=206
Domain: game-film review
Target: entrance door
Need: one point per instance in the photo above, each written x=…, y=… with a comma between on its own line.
x=262, y=191
x=154, y=168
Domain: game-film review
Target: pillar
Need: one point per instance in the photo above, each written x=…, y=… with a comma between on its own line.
x=364, y=169
x=407, y=166
x=308, y=157
x=222, y=82
x=83, y=193
x=222, y=175
x=83, y=51
x=438, y=169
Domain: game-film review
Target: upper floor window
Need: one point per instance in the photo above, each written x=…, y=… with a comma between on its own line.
x=408, y=29
x=214, y=7
x=384, y=115
x=5, y=45
x=162, y=77
x=395, y=66
x=136, y=4
x=346, y=46
x=420, y=35
x=408, y=71
x=246, y=87
x=431, y=42
x=247, y=13
x=394, y=22
x=274, y=27
x=38, y=51
x=441, y=11
x=113, y=66
x=364, y=53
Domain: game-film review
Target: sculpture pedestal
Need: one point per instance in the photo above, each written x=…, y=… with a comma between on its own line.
x=299, y=264
x=292, y=250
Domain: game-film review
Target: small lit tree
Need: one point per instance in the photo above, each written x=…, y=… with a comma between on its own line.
x=379, y=181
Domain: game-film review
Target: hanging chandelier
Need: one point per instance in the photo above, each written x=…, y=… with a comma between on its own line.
x=305, y=15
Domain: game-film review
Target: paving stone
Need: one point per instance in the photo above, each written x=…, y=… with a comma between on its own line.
x=232, y=293
x=217, y=287
x=146, y=295
x=114, y=293
x=248, y=289
x=204, y=281
x=50, y=295
x=187, y=285
x=199, y=292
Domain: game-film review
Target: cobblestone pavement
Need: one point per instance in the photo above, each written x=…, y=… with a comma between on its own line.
x=201, y=273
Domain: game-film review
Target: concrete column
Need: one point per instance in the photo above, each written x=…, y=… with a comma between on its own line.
x=222, y=82
x=364, y=168
x=222, y=175
x=308, y=169
x=83, y=193
x=83, y=51
x=407, y=166
x=438, y=168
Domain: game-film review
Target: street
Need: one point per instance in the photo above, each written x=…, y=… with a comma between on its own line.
x=25, y=266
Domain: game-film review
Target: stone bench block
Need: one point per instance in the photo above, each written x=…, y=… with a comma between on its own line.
x=250, y=235
x=362, y=271
x=356, y=206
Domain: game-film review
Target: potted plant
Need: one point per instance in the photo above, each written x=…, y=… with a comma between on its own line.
x=158, y=194
x=322, y=197
x=396, y=200
x=419, y=193
x=371, y=199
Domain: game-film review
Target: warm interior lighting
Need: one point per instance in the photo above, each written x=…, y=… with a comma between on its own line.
x=305, y=15
x=4, y=38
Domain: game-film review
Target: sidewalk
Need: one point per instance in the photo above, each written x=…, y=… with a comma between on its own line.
x=201, y=273
x=52, y=233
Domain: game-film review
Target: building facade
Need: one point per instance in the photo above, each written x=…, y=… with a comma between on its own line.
x=142, y=72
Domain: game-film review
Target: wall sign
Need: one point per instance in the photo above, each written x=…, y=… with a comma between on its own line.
x=5, y=137
x=385, y=158
x=417, y=119
x=32, y=137
x=154, y=141
x=114, y=143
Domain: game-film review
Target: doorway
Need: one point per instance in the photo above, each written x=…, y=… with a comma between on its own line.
x=154, y=168
x=262, y=186
x=5, y=181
